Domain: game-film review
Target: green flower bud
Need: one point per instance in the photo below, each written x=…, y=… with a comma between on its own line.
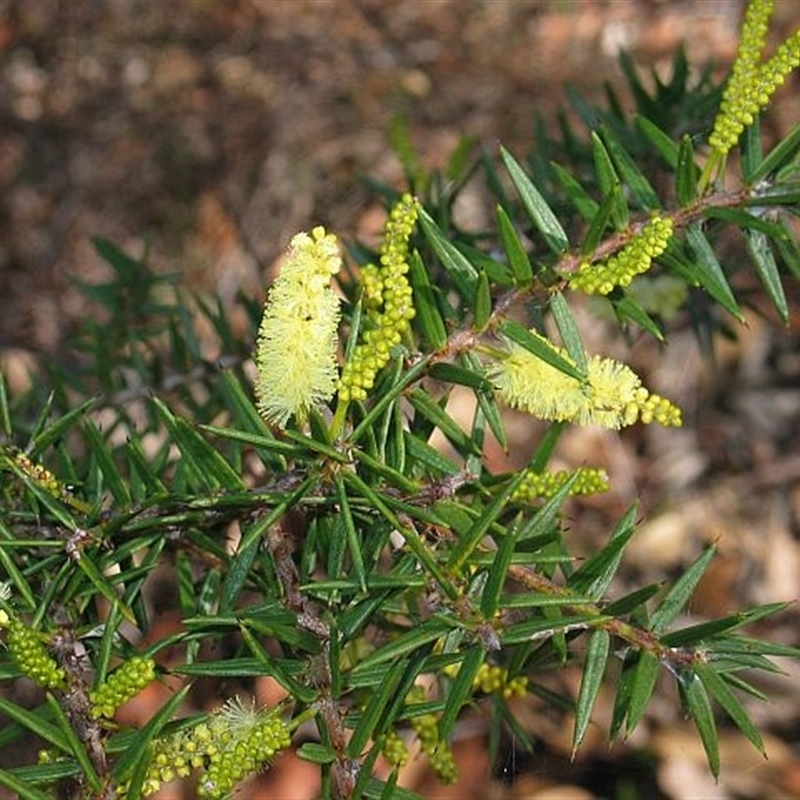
x=536, y=485
x=394, y=749
x=439, y=754
x=388, y=302
x=123, y=684
x=634, y=259
x=752, y=84
x=493, y=679
x=30, y=655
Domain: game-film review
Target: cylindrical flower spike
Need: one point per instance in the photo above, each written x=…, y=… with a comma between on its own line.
x=123, y=684
x=752, y=83
x=296, y=351
x=634, y=259
x=231, y=744
x=388, y=303
x=541, y=485
x=30, y=655
x=611, y=396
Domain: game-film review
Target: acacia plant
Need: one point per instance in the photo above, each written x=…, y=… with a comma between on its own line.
x=317, y=515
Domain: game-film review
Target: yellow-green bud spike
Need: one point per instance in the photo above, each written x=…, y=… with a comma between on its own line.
x=634, y=259
x=30, y=655
x=394, y=749
x=388, y=301
x=752, y=83
x=122, y=685
x=542, y=485
x=493, y=679
x=247, y=740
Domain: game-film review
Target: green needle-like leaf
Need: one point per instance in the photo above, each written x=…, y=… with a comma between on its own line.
x=665, y=145
x=22, y=788
x=207, y=467
x=425, y=302
x=517, y=257
x=483, y=301
x=594, y=666
x=568, y=329
x=36, y=723
x=584, y=204
x=463, y=273
x=609, y=182
x=717, y=687
x=425, y=405
x=540, y=348
x=681, y=592
x=695, y=699
x=538, y=210
x=594, y=576
x=404, y=645
x=353, y=541
x=375, y=709
x=632, y=176
x=778, y=157
x=642, y=683
x=686, y=174
x=707, y=271
x=460, y=690
x=767, y=269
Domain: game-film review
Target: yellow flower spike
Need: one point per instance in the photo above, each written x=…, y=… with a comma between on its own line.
x=530, y=384
x=296, y=350
x=611, y=396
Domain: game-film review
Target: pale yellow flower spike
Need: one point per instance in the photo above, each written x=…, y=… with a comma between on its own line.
x=611, y=396
x=296, y=350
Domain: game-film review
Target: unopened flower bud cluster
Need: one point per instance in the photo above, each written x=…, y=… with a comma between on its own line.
x=394, y=749
x=388, y=303
x=232, y=744
x=123, y=684
x=29, y=653
x=752, y=83
x=634, y=259
x=536, y=485
x=439, y=754
x=493, y=679
x=39, y=474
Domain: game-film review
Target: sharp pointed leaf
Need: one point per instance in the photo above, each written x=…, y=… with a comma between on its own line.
x=594, y=666
x=540, y=213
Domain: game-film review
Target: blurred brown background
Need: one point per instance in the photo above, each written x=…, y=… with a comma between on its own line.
x=212, y=130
